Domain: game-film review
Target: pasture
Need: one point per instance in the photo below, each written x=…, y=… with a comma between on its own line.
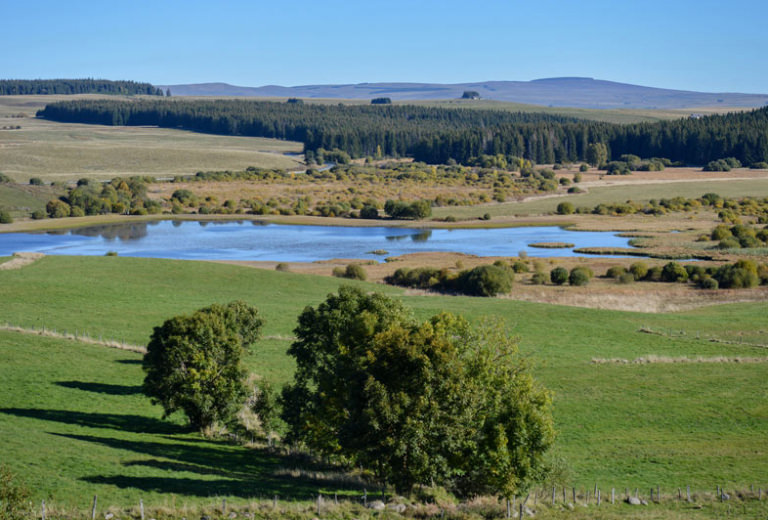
x=67, y=151
x=74, y=410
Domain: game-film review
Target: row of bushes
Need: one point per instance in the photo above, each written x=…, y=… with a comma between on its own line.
x=730, y=209
x=739, y=236
x=739, y=275
x=484, y=280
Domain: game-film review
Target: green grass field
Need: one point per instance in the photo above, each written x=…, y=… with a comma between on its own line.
x=74, y=410
x=66, y=151
x=609, y=194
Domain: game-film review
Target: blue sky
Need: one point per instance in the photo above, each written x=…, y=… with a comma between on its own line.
x=704, y=45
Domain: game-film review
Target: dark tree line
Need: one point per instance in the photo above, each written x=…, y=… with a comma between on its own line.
x=436, y=135
x=17, y=87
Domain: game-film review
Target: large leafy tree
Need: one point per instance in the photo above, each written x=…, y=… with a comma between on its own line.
x=193, y=363
x=416, y=402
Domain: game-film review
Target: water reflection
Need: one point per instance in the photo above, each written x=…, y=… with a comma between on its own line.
x=132, y=231
x=236, y=240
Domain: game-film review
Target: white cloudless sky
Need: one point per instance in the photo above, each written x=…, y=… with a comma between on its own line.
x=703, y=45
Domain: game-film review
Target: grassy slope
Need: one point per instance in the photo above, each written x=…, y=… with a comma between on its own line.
x=623, y=426
x=62, y=151
x=610, y=194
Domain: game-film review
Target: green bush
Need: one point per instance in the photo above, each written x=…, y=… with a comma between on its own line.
x=36, y=181
x=583, y=168
x=558, y=275
x=729, y=243
x=369, y=212
x=721, y=232
x=580, y=276
x=615, y=272
x=4, y=179
x=653, y=274
x=539, y=278
x=5, y=217
x=639, y=270
x=486, y=280
x=520, y=267
x=565, y=208
x=626, y=278
x=58, y=209
x=282, y=266
x=14, y=497
x=673, y=272
x=708, y=283
x=355, y=272
x=38, y=214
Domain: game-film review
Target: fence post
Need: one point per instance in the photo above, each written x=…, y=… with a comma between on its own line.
x=93, y=510
x=336, y=499
x=509, y=509
x=613, y=496
x=141, y=508
x=274, y=502
x=598, y=498
x=522, y=511
x=365, y=497
x=688, y=492
x=658, y=493
x=553, y=495
x=43, y=511
x=223, y=506
x=319, y=502
x=574, y=495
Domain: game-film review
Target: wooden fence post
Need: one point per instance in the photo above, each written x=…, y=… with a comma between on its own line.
x=141, y=508
x=509, y=509
x=574, y=495
x=688, y=492
x=274, y=502
x=522, y=511
x=319, y=502
x=613, y=496
x=223, y=506
x=93, y=510
x=43, y=511
x=553, y=495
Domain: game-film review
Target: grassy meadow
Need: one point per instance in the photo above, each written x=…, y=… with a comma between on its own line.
x=75, y=423
x=67, y=151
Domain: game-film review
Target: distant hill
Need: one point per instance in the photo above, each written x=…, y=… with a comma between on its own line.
x=558, y=92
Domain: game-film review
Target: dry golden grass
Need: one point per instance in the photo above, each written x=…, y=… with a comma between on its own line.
x=67, y=151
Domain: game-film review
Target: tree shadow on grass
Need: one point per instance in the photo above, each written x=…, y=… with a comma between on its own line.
x=101, y=388
x=227, y=470
x=129, y=361
x=126, y=423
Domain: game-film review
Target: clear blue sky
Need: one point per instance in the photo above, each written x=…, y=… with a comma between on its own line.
x=705, y=45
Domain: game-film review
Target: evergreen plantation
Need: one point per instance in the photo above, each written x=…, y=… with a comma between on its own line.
x=436, y=135
x=21, y=87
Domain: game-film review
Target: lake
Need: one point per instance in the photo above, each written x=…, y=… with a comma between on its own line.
x=256, y=240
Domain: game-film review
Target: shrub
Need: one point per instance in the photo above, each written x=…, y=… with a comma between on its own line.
x=355, y=272
x=57, y=209
x=36, y=181
x=4, y=179
x=520, y=267
x=486, y=216
x=639, y=270
x=583, y=168
x=111, y=253
x=565, y=208
x=721, y=232
x=38, y=214
x=673, y=272
x=402, y=210
x=580, y=276
x=14, y=496
x=369, y=212
x=558, y=275
x=626, y=278
x=539, y=278
x=761, y=165
x=486, y=280
x=282, y=266
x=76, y=211
x=653, y=274
x=736, y=277
x=615, y=271
x=575, y=189
x=5, y=217
x=708, y=283
x=729, y=243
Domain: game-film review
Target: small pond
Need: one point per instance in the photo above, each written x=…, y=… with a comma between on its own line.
x=255, y=240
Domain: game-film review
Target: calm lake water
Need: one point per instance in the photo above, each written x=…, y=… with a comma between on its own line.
x=250, y=240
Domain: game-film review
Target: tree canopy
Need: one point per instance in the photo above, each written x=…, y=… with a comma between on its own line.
x=9, y=87
x=416, y=402
x=193, y=363
x=435, y=135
